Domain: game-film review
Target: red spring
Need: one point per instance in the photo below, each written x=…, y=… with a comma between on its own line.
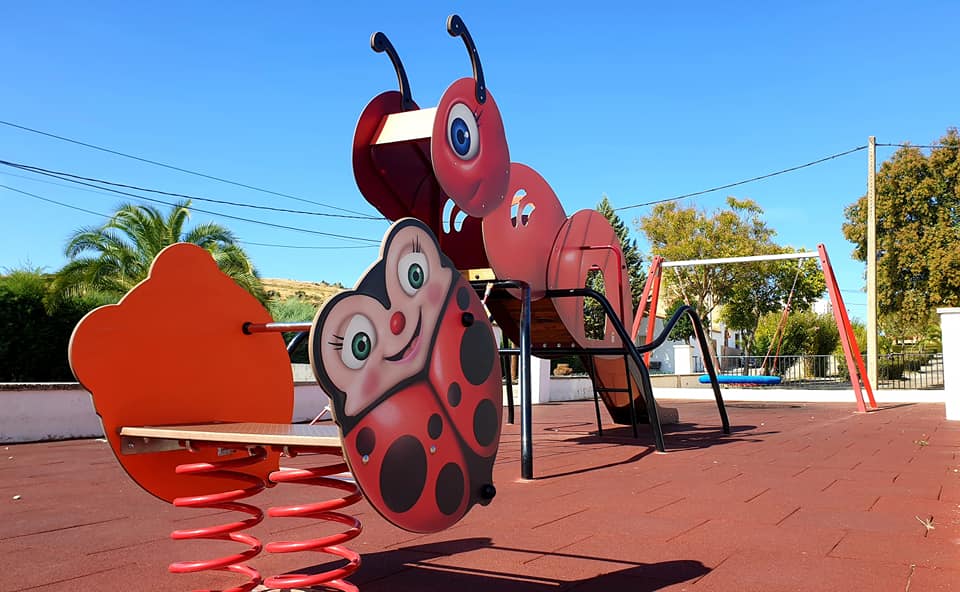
x=226, y=500
x=333, y=579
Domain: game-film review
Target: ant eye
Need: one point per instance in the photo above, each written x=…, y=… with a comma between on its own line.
x=462, y=132
x=413, y=272
x=359, y=340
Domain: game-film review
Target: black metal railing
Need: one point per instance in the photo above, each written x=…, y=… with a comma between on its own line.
x=894, y=371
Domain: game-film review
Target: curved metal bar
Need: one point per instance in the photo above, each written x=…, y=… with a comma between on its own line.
x=708, y=360
x=296, y=341
x=380, y=44
x=632, y=353
x=526, y=411
x=456, y=28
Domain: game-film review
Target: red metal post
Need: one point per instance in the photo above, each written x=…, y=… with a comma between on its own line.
x=249, y=328
x=850, y=349
x=642, y=305
x=652, y=318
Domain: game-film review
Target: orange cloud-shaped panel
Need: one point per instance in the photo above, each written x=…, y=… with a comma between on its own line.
x=173, y=352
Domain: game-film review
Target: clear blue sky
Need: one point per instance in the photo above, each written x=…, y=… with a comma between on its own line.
x=640, y=101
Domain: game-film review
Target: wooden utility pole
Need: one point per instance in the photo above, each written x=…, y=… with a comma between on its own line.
x=872, y=260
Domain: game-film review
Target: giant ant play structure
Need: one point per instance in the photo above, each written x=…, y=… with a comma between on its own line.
x=407, y=357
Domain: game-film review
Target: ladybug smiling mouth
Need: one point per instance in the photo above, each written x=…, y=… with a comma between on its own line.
x=411, y=347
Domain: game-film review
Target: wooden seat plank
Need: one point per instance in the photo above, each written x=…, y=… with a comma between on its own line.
x=266, y=434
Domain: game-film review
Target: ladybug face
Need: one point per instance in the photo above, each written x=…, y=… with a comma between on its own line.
x=379, y=340
x=469, y=151
x=409, y=361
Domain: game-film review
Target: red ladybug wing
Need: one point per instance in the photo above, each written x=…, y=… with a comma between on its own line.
x=465, y=371
x=407, y=460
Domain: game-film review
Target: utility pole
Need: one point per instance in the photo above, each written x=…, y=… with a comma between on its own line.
x=872, y=261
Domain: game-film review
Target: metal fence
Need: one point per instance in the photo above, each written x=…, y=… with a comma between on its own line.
x=894, y=371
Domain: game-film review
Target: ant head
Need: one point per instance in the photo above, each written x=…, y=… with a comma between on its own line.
x=468, y=146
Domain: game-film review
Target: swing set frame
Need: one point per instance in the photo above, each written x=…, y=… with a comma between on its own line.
x=851, y=351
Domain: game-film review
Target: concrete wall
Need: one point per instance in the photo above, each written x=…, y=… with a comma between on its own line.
x=950, y=337
x=39, y=412
x=53, y=411
x=61, y=411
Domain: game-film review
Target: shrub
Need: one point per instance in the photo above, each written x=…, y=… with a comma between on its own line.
x=34, y=335
x=293, y=310
x=890, y=367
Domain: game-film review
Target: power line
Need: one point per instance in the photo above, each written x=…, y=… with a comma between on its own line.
x=240, y=218
x=73, y=178
x=309, y=246
x=102, y=215
x=932, y=146
x=53, y=201
x=174, y=168
x=745, y=181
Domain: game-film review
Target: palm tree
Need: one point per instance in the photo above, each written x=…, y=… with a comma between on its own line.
x=112, y=258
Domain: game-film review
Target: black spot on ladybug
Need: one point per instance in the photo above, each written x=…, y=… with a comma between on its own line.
x=366, y=440
x=477, y=352
x=403, y=474
x=463, y=298
x=450, y=488
x=435, y=426
x=454, y=394
x=485, y=422
x=466, y=319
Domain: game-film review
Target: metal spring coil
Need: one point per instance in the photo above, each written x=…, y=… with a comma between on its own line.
x=226, y=500
x=333, y=544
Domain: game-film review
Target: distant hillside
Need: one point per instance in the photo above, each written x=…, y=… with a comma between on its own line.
x=312, y=292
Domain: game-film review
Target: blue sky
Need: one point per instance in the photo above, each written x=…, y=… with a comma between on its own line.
x=638, y=101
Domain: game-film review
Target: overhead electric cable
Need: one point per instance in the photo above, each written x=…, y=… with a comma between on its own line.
x=232, y=217
x=174, y=168
x=309, y=246
x=934, y=146
x=103, y=215
x=745, y=181
x=71, y=177
x=53, y=201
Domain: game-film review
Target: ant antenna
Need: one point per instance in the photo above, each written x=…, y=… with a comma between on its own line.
x=456, y=28
x=379, y=43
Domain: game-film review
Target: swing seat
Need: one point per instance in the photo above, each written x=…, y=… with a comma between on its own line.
x=735, y=379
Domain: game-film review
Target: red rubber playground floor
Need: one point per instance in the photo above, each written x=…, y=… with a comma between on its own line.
x=799, y=497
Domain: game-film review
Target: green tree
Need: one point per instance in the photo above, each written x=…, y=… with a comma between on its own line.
x=679, y=233
x=805, y=334
x=767, y=286
x=112, y=258
x=683, y=330
x=593, y=316
x=918, y=235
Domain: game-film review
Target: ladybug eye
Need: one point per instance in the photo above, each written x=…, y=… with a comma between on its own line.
x=413, y=272
x=359, y=340
x=462, y=132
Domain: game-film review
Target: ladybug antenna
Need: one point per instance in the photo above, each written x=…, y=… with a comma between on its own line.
x=379, y=43
x=456, y=28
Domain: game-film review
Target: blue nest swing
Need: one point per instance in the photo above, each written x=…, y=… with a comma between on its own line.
x=735, y=379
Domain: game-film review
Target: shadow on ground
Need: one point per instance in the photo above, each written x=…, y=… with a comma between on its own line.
x=677, y=436
x=422, y=567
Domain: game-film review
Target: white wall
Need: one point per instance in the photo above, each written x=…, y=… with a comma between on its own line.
x=950, y=337
x=31, y=413
x=37, y=412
